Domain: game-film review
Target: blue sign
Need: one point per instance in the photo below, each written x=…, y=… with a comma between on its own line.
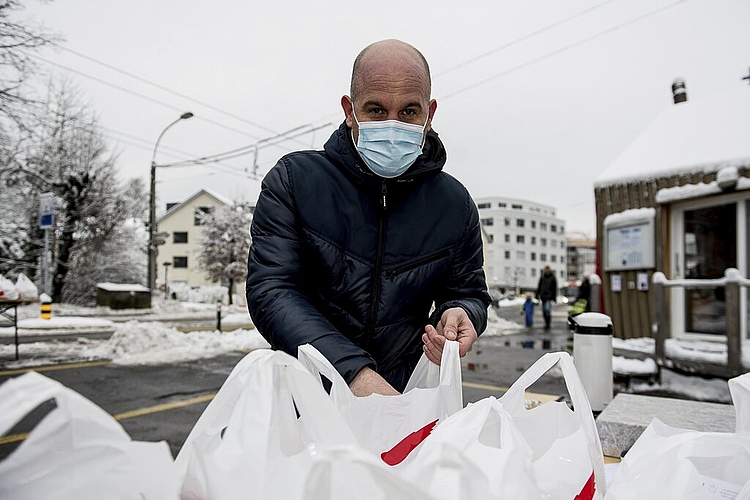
x=46, y=211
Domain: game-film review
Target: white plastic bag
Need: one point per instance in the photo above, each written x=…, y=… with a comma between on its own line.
x=353, y=473
x=8, y=290
x=477, y=453
x=391, y=427
x=567, y=456
x=77, y=450
x=249, y=442
x=670, y=463
x=26, y=288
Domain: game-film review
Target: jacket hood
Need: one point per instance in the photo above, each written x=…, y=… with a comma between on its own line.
x=341, y=150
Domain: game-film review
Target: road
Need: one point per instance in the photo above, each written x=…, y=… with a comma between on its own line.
x=163, y=402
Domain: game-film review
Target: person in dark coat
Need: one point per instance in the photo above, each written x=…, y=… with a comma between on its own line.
x=368, y=250
x=584, y=293
x=546, y=292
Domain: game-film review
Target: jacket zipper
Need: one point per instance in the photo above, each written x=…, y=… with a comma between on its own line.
x=391, y=273
x=378, y=264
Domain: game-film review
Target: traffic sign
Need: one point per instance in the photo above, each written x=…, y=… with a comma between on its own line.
x=46, y=210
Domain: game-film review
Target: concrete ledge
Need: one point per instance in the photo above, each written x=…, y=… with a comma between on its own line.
x=627, y=416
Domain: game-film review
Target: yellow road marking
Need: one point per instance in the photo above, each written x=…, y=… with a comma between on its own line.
x=52, y=368
x=486, y=387
x=163, y=407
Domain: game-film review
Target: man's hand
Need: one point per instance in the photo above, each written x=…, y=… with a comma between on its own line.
x=368, y=381
x=454, y=325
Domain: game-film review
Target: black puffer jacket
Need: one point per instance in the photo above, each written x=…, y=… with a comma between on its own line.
x=351, y=263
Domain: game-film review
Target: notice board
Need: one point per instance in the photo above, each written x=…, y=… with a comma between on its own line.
x=629, y=242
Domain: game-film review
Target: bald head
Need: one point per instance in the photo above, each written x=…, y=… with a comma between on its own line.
x=385, y=56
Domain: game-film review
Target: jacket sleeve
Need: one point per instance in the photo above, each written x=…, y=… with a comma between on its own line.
x=466, y=286
x=278, y=307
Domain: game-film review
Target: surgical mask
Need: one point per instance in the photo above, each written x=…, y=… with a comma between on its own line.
x=389, y=147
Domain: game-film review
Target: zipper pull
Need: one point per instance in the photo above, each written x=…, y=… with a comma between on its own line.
x=384, y=192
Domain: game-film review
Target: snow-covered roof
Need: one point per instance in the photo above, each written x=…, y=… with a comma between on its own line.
x=701, y=135
x=221, y=199
x=121, y=287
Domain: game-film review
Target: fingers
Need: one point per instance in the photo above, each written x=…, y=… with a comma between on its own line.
x=433, y=344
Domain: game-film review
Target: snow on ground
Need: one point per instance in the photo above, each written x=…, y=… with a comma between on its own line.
x=500, y=326
x=73, y=325
x=136, y=342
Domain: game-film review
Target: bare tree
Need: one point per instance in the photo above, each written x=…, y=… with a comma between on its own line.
x=18, y=42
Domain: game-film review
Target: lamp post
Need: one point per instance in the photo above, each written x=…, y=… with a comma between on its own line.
x=152, y=207
x=166, y=265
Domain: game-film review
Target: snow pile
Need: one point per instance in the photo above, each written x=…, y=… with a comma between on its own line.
x=500, y=326
x=629, y=366
x=57, y=325
x=152, y=343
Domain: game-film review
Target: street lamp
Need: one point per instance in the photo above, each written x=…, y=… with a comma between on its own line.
x=152, y=207
x=166, y=265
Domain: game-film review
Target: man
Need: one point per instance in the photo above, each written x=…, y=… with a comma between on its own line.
x=584, y=293
x=546, y=291
x=353, y=245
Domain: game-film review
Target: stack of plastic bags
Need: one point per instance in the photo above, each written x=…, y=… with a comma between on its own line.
x=23, y=289
x=272, y=432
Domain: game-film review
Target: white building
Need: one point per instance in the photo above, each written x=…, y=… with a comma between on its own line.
x=522, y=238
x=183, y=229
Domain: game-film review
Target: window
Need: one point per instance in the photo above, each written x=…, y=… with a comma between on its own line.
x=179, y=262
x=517, y=207
x=490, y=238
x=179, y=237
x=553, y=258
x=520, y=223
x=553, y=228
x=507, y=221
x=533, y=224
x=521, y=255
x=502, y=205
x=507, y=238
x=543, y=242
x=553, y=243
x=484, y=205
x=543, y=257
x=562, y=259
x=543, y=226
x=533, y=240
x=520, y=238
x=533, y=255
x=507, y=254
x=533, y=272
x=489, y=221
x=199, y=214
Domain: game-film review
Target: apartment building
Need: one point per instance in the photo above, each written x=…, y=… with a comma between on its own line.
x=523, y=237
x=581, y=255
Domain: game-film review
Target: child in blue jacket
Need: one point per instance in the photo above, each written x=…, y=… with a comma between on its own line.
x=528, y=309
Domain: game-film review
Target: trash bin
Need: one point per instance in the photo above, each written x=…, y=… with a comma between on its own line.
x=592, y=356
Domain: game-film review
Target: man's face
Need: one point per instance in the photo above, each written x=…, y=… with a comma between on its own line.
x=389, y=95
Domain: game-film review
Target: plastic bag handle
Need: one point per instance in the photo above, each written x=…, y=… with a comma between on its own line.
x=428, y=374
x=514, y=399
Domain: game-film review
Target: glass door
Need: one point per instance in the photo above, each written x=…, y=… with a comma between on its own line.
x=709, y=248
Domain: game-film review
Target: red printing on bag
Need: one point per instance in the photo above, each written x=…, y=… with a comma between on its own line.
x=588, y=491
x=398, y=453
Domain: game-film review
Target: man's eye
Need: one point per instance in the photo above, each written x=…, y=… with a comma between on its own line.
x=409, y=112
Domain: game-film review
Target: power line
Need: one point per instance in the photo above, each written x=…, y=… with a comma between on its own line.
x=161, y=87
x=134, y=93
x=563, y=49
x=525, y=37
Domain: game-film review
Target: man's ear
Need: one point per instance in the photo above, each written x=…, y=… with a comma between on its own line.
x=348, y=107
x=431, y=113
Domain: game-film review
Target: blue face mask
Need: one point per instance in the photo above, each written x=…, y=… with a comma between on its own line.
x=389, y=147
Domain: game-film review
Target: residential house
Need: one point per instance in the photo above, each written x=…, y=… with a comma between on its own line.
x=182, y=225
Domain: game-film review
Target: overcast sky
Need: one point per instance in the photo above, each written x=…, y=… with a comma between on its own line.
x=535, y=99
